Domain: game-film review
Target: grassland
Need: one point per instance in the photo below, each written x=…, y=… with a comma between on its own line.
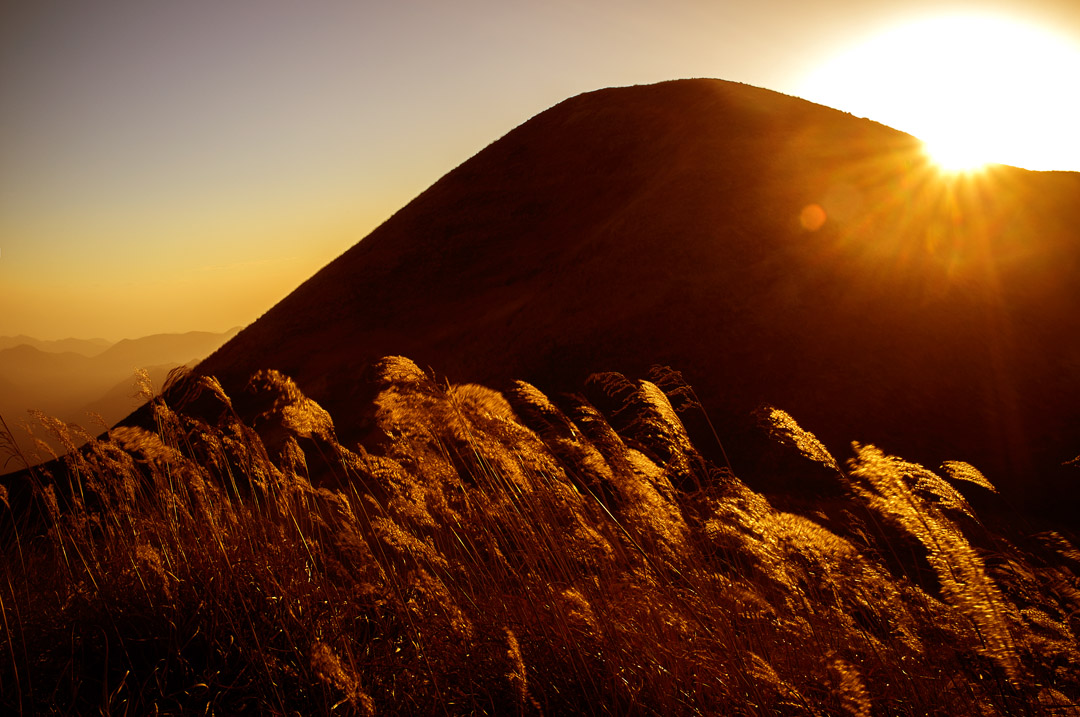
x=511, y=554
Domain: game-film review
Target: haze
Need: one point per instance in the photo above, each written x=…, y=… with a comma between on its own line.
x=168, y=167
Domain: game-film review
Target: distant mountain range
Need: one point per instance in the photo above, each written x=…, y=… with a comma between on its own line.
x=70, y=377
x=86, y=347
x=774, y=250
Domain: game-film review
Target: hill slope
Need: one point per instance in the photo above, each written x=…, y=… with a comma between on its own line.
x=675, y=224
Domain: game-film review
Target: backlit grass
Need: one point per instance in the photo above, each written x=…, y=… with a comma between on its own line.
x=508, y=554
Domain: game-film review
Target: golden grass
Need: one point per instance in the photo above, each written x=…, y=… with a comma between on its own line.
x=507, y=555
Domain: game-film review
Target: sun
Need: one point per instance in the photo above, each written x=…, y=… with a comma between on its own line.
x=976, y=89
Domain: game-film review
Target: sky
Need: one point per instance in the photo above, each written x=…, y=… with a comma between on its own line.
x=183, y=165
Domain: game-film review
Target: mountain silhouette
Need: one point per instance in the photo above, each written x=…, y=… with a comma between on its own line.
x=164, y=348
x=56, y=382
x=775, y=251
x=68, y=384
x=86, y=347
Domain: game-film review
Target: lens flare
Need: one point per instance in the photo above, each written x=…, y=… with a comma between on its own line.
x=812, y=217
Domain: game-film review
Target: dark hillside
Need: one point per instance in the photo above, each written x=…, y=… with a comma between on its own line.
x=933, y=316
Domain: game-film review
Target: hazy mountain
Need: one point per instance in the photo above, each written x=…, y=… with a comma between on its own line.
x=69, y=384
x=52, y=379
x=86, y=347
x=121, y=399
x=164, y=348
x=10, y=391
x=72, y=379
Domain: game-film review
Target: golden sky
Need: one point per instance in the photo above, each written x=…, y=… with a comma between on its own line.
x=175, y=166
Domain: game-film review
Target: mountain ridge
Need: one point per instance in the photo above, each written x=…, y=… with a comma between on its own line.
x=86, y=347
x=68, y=384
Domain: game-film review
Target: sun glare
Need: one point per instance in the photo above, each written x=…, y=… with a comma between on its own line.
x=975, y=89
x=956, y=154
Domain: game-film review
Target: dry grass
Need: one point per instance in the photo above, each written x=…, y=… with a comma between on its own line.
x=505, y=555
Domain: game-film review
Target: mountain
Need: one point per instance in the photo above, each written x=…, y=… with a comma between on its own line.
x=164, y=348
x=68, y=384
x=51, y=379
x=773, y=250
x=86, y=347
x=56, y=381
x=122, y=398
